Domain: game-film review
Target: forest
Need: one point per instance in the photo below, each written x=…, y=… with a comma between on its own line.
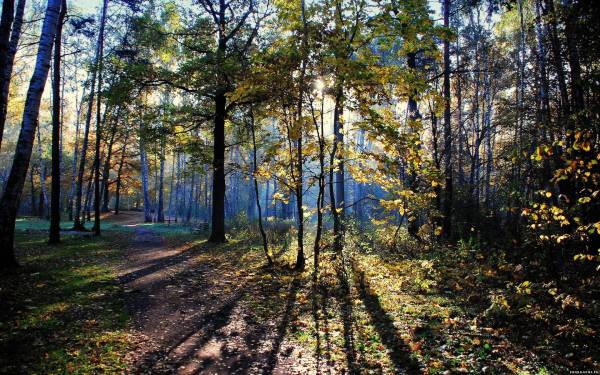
x=300, y=187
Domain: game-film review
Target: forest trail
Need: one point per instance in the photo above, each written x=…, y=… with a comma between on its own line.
x=190, y=315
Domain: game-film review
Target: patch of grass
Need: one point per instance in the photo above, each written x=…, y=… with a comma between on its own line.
x=62, y=311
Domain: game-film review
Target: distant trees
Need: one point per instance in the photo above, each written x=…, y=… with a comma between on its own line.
x=378, y=113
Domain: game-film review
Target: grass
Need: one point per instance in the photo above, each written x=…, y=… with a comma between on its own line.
x=415, y=310
x=62, y=311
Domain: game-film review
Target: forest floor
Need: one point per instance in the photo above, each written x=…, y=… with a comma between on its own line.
x=153, y=298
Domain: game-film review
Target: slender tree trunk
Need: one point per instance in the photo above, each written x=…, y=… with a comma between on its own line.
x=119, y=173
x=256, y=192
x=577, y=92
x=75, y=155
x=448, y=185
x=171, y=187
x=299, y=183
x=321, y=193
x=191, y=203
x=14, y=185
x=77, y=224
x=56, y=112
x=145, y=174
x=459, y=109
x=7, y=61
x=413, y=116
x=32, y=211
x=160, y=217
x=335, y=212
x=557, y=59
x=105, y=187
x=44, y=205
x=100, y=66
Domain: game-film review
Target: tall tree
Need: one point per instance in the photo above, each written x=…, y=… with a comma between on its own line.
x=14, y=185
x=448, y=188
x=77, y=223
x=99, y=67
x=56, y=117
x=6, y=63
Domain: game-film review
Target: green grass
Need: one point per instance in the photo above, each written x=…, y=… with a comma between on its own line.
x=62, y=311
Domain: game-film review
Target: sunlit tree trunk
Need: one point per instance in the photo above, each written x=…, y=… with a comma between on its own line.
x=120, y=173
x=7, y=61
x=105, y=187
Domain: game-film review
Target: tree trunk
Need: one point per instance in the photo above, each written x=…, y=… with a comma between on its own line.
x=448, y=188
x=160, y=217
x=106, y=167
x=557, y=59
x=43, y=191
x=6, y=66
x=119, y=174
x=144, y=170
x=14, y=185
x=170, y=209
x=188, y=218
x=99, y=66
x=217, y=234
x=77, y=224
x=321, y=194
x=75, y=155
x=56, y=111
x=256, y=192
x=571, y=32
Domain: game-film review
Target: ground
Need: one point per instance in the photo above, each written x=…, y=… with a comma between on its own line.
x=155, y=298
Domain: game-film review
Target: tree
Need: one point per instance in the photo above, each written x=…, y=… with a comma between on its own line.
x=14, y=185
x=56, y=104
x=99, y=67
x=7, y=61
x=77, y=224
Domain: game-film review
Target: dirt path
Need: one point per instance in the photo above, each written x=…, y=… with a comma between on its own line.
x=191, y=313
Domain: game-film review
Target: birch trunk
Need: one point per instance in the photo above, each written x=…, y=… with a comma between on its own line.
x=14, y=185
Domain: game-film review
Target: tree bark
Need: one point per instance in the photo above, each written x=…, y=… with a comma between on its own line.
x=217, y=234
x=54, y=236
x=119, y=173
x=256, y=192
x=160, y=217
x=107, y=166
x=448, y=187
x=77, y=224
x=6, y=66
x=14, y=185
x=100, y=66
x=44, y=205
x=144, y=172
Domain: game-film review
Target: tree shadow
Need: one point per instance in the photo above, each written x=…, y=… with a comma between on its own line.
x=399, y=353
x=271, y=360
x=319, y=301
x=346, y=311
